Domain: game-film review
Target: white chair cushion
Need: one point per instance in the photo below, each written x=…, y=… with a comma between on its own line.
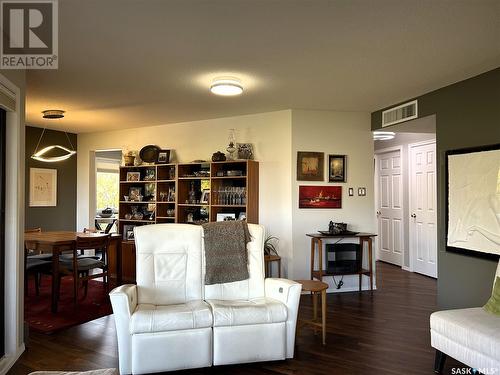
x=473, y=328
x=255, y=311
x=161, y=318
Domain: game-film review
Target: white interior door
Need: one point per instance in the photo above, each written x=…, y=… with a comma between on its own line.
x=390, y=207
x=422, y=192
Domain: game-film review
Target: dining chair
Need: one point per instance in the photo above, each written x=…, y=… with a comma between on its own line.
x=80, y=267
x=35, y=263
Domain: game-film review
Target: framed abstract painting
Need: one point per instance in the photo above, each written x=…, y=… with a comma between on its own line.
x=310, y=166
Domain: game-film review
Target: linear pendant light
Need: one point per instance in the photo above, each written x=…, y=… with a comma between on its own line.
x=39, y=154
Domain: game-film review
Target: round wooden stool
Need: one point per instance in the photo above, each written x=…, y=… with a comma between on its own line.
x=316, y=287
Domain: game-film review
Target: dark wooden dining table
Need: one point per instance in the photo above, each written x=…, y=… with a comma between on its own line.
x=58, y=242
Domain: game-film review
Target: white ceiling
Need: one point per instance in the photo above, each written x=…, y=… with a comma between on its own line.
x=131, y=63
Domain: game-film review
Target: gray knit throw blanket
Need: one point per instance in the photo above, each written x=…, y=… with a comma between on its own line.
x=226, y=255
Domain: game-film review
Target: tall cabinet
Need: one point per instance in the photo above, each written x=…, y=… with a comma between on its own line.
x=194, y=193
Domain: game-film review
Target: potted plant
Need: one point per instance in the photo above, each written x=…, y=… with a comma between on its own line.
x=270, y=244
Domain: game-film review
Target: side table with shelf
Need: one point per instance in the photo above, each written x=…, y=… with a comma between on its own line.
x=317, y=243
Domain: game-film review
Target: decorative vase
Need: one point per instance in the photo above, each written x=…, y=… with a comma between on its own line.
x=129, y=160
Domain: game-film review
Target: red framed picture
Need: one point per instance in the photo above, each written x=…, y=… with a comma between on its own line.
x=320, y=196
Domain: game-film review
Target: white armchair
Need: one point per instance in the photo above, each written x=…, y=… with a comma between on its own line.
x=165, y=323
x=471, y=336
x=254, y=320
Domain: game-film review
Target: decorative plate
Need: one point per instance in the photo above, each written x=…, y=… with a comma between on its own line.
x=149, y=153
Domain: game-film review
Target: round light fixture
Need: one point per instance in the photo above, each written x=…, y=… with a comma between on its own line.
x=226, y=87
x=383, y=136
x=53, y=113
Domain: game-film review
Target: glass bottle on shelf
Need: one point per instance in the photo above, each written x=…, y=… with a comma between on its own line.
x=231, y=147
x=192, y=194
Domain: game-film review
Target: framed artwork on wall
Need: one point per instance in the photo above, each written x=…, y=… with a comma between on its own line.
x=43, y=187
x=320, y=196
x=310, y=166
x=336, y=168
x=473, y=201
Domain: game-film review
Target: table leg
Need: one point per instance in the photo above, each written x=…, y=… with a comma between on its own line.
x=315, y=308
x=55, y=278
x=361, y=245
x=323, y=314
x=279, y=268
x=320, y=258
x=370, y=258
x=313, y=242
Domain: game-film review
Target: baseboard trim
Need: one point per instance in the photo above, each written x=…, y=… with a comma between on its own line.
x=7, y=361
x=406, y=268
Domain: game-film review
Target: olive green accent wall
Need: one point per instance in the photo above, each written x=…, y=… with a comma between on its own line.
x=62, y=216
x=467, y=115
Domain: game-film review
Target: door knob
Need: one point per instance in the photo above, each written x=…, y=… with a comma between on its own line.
x=413, y=215
x=378, y=212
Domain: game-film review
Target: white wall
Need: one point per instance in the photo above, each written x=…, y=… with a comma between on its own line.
x=345, y=133
x=270, y=134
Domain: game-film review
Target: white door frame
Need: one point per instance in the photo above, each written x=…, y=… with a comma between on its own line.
x=410, y=173
x=376, y=191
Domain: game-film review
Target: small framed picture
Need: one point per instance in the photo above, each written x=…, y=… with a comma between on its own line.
x=245, y=151
x=128, y=232
x=133, y=176
x=310, y=166
x=135, y=193
x=205, y=196
x=163, y=156
x=336, y=168
x=226, y=217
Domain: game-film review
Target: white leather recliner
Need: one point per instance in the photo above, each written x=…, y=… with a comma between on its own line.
x=164, y=323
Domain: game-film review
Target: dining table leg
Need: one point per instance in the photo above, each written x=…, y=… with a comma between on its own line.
x=55, y=278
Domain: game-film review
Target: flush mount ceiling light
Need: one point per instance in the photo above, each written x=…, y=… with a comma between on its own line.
x=226, y=87
x=383, y=136
x=53, y=113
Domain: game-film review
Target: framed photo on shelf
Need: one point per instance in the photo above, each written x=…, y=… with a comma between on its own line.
x=226, y=216
x=43, y=187
x=163, y=157
x=128, y=232
x=133, y=176
x=135, y=193
x=336, y=168
x=310, y=166
x=205, y=196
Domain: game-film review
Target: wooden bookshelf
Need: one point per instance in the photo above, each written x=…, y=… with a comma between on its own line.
x=173, y=193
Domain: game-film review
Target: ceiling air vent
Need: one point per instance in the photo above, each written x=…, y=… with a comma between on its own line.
x=403, y=112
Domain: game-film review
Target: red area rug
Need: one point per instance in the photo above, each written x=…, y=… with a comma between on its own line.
x=37, y=308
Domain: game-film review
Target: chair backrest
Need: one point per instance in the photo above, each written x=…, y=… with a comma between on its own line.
x=245, y=289
x=97, y=242
x=168, y=263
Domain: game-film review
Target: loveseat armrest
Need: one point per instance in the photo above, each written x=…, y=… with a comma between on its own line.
x=124, y=302
x=287, y=292
x=124, y=299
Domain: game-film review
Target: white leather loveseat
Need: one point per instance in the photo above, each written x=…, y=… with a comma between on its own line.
x=170, y=320
x=471, y=336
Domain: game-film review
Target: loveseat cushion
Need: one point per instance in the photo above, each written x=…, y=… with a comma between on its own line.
x=241, y=312
x=472, y=328
x=161, y=318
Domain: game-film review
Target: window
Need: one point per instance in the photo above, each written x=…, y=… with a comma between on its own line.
x=107, y=189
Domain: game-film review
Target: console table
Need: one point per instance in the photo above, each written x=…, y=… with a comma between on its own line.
x=317, y=241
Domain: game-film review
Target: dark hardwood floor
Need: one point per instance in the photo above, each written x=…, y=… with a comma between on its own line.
x=380, y=332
